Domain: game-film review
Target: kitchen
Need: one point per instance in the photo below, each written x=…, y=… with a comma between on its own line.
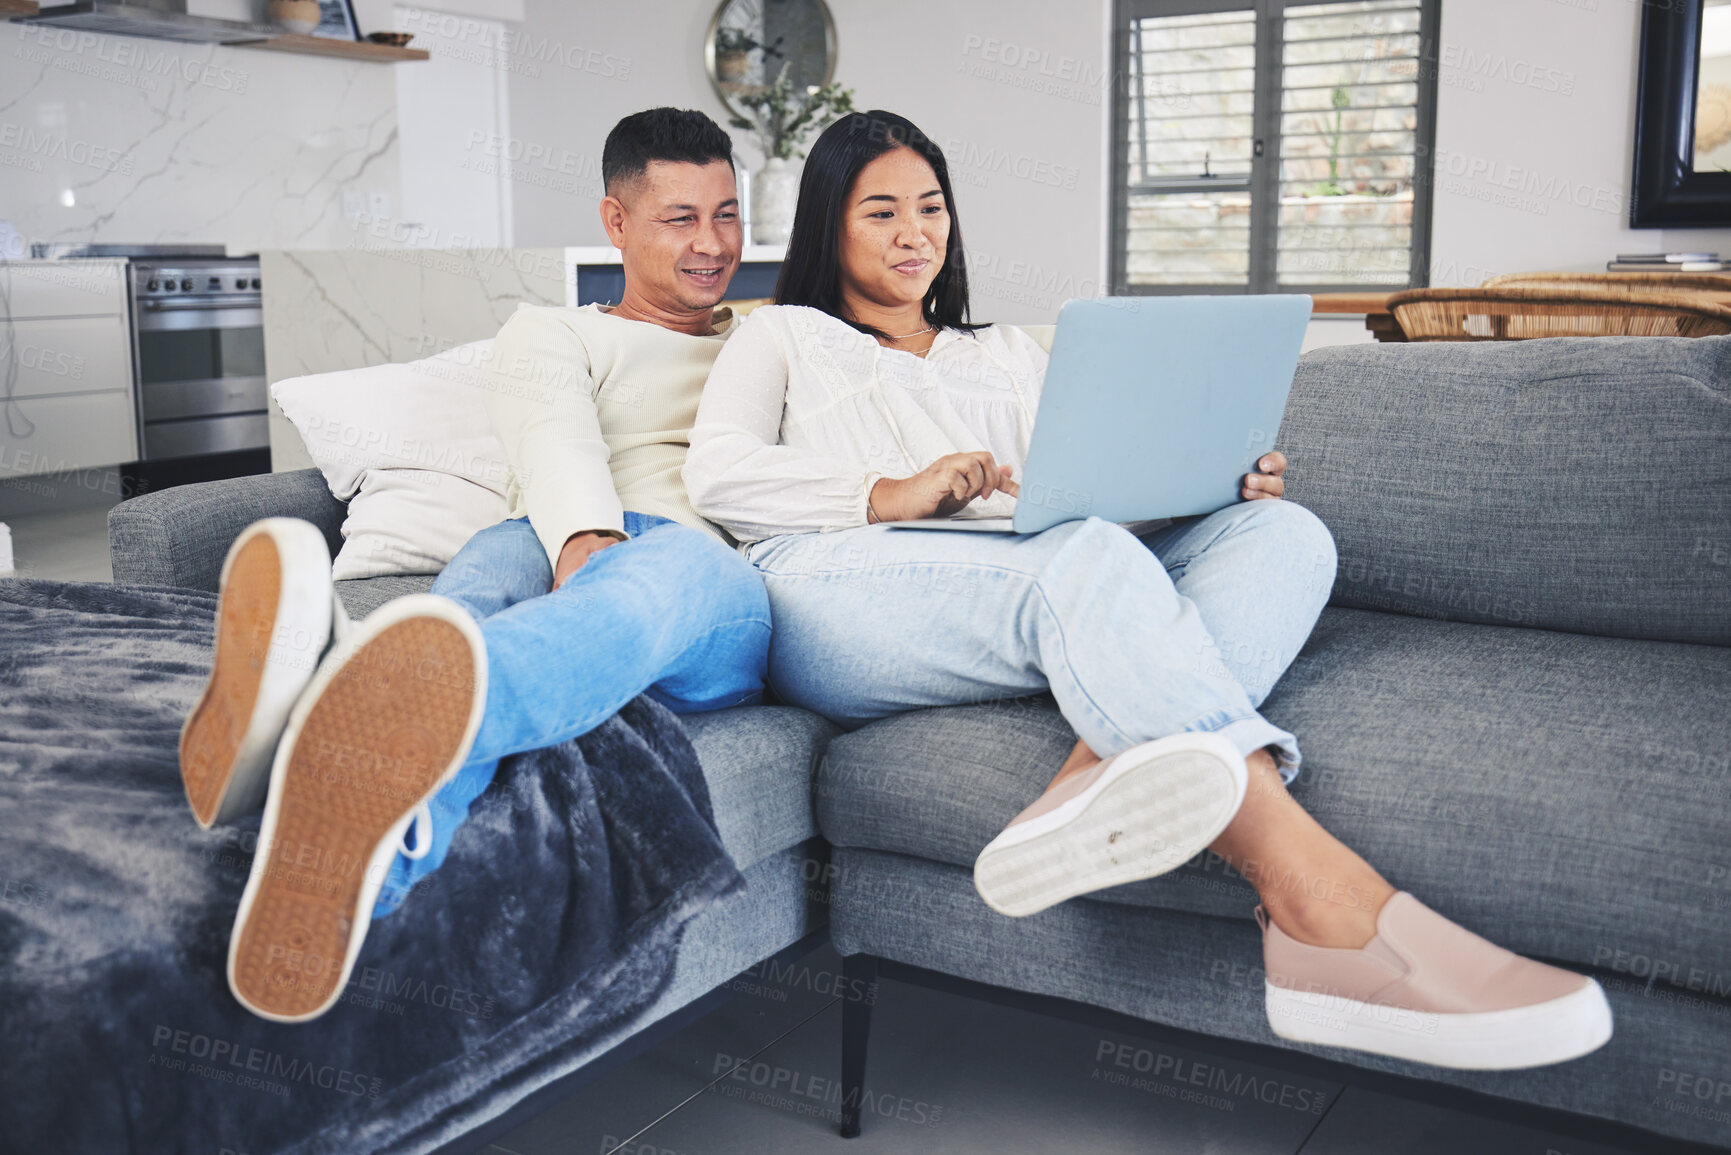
x=140, y=176
x=177, y=328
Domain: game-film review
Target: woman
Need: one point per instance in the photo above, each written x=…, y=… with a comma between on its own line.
x=864, y=396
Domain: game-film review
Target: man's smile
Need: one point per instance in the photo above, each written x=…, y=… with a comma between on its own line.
x=707, y=276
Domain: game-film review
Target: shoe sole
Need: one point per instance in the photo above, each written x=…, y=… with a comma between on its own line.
x=227, y=741
x=1535, y=1036
x=390, y=717
x=1146, y=816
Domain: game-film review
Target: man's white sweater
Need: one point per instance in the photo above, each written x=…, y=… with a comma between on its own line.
x=595, y=413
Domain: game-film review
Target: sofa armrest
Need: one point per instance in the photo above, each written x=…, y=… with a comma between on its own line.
x=180, y=536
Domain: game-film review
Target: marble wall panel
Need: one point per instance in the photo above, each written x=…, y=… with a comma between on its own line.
x=374, y=304
x=128, y=140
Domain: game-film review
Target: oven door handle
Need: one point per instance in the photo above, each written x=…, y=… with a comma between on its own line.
x=203, y=301
x=200, y=315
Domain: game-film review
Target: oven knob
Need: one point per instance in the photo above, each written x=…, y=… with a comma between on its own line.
x=186, y=285
x=169, y=286
x=257, y=284
x=152, y=285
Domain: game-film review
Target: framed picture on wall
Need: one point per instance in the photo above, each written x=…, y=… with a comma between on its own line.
x=1682, y=172
x=337, y=21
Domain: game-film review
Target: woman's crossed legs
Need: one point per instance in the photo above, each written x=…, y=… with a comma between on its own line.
x=1137, y=647
x=1185, y=630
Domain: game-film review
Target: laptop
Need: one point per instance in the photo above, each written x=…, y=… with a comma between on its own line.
x=1153, y=408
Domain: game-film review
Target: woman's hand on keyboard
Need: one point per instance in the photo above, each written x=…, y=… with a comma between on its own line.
x=942, y=488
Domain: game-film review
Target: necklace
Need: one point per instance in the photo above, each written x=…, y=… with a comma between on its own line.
x=905, y=336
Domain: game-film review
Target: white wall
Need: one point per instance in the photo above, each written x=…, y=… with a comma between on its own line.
x=577, y=69
x=121, y=139
x=1535, y=125
x=1016, y=92
x=162, y=141
x=454, y=196
x=1024, y=136
x=1535, y=174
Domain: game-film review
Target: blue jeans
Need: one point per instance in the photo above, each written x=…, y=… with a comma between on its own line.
x=672, y=613
x=1187, y=628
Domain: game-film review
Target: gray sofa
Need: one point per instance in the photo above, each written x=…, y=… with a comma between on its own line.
x=1518, y=706
x=758, y=761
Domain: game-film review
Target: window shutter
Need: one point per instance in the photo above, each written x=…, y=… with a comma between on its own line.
x=1348, y=143
x=1193, y=85
x=1337, y=196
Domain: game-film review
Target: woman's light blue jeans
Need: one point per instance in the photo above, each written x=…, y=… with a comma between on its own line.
x=1187, y=628
x=672, y=613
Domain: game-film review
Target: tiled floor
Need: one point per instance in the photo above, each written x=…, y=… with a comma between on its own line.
x=70, y=546
x=949, y=1075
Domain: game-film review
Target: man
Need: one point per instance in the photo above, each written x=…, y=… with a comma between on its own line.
x=602, y=584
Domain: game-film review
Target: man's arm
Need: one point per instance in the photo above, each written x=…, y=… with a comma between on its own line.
x=540, y=396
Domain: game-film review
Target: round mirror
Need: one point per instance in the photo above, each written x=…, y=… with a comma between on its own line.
x=750, y=42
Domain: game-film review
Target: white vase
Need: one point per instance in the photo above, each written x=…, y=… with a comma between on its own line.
x=774, y=196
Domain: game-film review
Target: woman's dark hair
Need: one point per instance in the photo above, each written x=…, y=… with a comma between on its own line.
x=811, y=271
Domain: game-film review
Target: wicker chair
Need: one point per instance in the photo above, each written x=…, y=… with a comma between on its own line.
x=1664, y=282
x=1514, y=313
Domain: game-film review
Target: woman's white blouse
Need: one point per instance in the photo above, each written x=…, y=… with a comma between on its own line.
x=802, y=414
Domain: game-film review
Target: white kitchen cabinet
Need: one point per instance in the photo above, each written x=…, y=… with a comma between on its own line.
x=69, y=288
x=60, y=355
x=63, y=434
x=67, y=400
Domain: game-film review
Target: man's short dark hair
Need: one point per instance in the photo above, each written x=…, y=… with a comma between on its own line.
x=682, y=135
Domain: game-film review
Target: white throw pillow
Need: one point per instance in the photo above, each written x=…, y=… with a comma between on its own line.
x=411, y=449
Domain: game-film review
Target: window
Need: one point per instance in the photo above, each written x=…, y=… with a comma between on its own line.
x=1272, y=145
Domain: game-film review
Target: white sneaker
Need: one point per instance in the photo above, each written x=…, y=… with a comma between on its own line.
x=388, y=719
x=274, y=619
x=1135, y=815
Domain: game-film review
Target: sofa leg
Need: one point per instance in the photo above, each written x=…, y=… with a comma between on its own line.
x=861, y=973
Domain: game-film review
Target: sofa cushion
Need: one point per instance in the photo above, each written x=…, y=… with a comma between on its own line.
x=1573, y=793
x=1669, y=1057
x=1572, y=483
x=409, y=447
x=361, y=596
x=758, y=761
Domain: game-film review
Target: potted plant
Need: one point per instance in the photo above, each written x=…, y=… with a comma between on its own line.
x=783, y=120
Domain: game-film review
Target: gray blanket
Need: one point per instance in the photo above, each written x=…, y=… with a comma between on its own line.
x=550, y=928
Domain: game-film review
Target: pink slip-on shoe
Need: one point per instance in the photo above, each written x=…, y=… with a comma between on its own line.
x=1427, y=990
x=1138, y=814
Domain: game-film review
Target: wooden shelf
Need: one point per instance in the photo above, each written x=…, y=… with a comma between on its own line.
x=11, y=8
x=347, y=49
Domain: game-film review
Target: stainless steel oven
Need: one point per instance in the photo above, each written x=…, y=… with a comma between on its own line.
x=198, y=356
